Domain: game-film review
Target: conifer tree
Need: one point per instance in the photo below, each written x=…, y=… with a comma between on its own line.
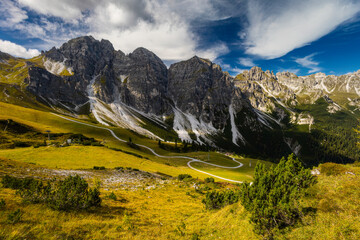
x=273, y=197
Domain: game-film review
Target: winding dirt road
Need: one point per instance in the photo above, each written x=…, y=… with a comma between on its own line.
x=161, y=156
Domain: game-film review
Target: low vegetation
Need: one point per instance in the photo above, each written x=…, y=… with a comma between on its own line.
x=273, y=197
x=175, y=209
x=72, y=193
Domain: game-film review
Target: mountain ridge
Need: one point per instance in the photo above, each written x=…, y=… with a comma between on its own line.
x=194, y=98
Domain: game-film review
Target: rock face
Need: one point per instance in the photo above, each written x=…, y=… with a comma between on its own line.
x=52, y=87
x=121, y=89
x=138, y=80
x=312, y=87
x=195, y=97
x=202, y=89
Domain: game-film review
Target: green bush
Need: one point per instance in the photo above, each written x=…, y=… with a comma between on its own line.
x=36, y=192
x=332, y=169
x=273, y=198
x=2, y=204
x=14, y=217
x=72, y=193
x=182, y=177
x=17, y=183
x=209, y=180
x=99, y=168
x=112, y=196
x=217, y=199
x=119, y=168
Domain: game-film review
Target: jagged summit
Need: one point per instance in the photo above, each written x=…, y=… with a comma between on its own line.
x=193, y=98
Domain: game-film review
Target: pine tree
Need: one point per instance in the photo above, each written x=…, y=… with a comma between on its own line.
x=273, y=197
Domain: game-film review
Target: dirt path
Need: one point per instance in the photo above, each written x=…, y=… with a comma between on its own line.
x=161, y=156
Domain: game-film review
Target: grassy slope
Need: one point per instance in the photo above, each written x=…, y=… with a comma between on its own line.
x=329, y=124
x=46, y=121
x=173, y=210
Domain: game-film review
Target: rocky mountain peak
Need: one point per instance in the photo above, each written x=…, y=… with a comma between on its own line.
x=84, y=55
x=256, y=74
x=4, y=56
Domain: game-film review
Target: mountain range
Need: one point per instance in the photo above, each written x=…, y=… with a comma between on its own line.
x=256, y=113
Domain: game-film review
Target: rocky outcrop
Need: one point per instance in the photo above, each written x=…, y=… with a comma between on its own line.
x=200, y=88
x=310, y=88
x=54, y=88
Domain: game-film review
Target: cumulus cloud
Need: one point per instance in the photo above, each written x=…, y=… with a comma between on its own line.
x=162, y=26
x=65, y=9
x=11, y=14
x=17, y=50
x=246, y=62
x=277, y=27
x=309, y=62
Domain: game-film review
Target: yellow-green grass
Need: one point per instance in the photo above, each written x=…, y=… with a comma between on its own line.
x=44, y=121
x=244, y=173
x=337, y=203
x=174, y=211
x=16, y=69
x=163, y=213
x=86, y=157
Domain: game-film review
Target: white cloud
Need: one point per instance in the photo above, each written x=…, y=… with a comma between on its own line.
x=161, y=29
x=65, y=9
x=247, y=62
x=277, y=27
x=11, y=14
x=162, y=26
x=17, y=50
x=309, y=62
x=290, y=70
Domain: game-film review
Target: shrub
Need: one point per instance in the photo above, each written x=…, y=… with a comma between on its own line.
x=36, y=192
x=182, y=177
x=332, y=169
x=17, y=183
x=99, y=168
x=112, y=196
x=209, y=180
x=217, y=199
x=119, y=168
x=273, y=198
x=73, y=193
x=14, y=217
x=2, y=204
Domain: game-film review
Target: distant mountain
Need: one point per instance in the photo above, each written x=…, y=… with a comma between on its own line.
x=257, y=112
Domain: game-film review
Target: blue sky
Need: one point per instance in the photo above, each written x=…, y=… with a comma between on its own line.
x=303, y=37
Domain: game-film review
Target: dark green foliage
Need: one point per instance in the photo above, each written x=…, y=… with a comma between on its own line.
x=72, y=193
x=2, y=204
x=14, y=217
x=332, y=137
x=17, y=183
x=133, y=145
x=99, y=168
x=220, y=199
x=112, y=196
x=119, y=168
x=36, y=192
x=182, y=177
x=209, y=180
x=273, y=198
x=195, y=236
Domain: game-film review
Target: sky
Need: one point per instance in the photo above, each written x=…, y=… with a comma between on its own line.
x=303, y=37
